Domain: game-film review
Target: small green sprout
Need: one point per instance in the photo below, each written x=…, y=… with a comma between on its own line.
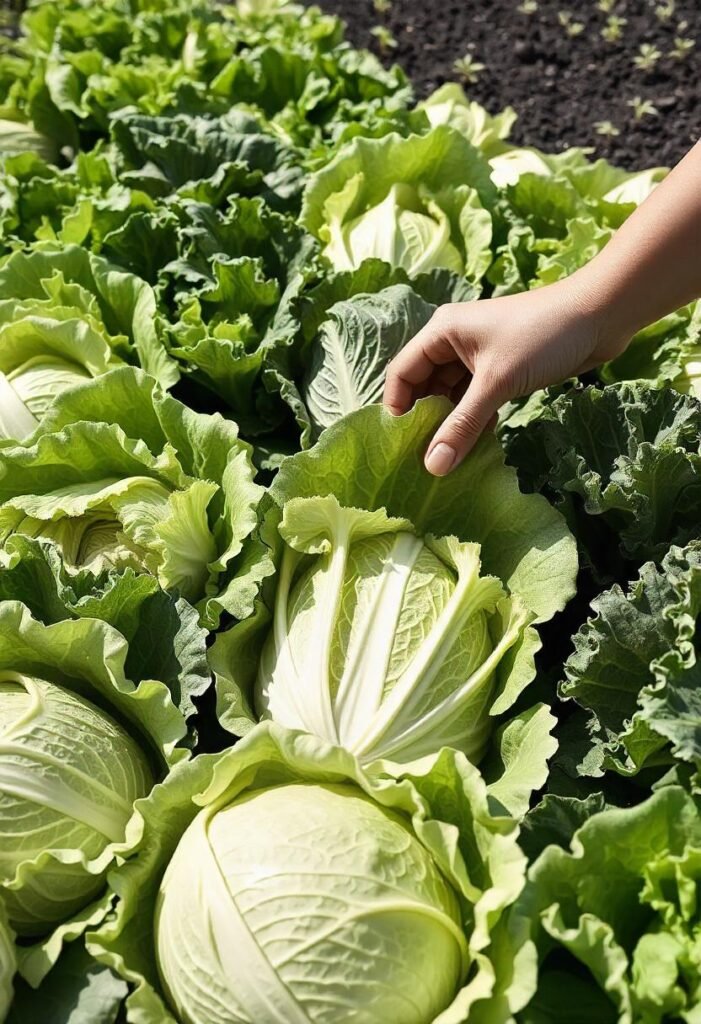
x=647, y=57
x=382, y=6
x=468, y=68
x=528, y=7
x=642, y=108
x=665, y=11
x=573, y=28
x=606, y=128
x=385, y=39
x=606, y=5
x=683, y=45
x=613, y=29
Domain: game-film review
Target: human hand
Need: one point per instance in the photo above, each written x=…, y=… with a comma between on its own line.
x=484, y=353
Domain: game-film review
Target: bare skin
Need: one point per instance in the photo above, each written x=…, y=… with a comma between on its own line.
x=482, y=354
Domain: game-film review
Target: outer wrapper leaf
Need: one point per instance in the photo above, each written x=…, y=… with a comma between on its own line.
x=355, y=345
x=448, y=808
x=89, y=658
x=78, y=990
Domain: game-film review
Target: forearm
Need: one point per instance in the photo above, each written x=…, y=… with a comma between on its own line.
x=652, y=265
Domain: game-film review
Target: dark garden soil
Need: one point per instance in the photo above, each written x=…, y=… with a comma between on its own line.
x=561, y=85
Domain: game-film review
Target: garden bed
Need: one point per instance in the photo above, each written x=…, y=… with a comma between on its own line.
x=569, y=85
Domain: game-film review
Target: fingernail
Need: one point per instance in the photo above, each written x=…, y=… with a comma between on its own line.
x=440, y=459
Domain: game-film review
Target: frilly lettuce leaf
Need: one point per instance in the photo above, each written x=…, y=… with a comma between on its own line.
x=614, y=919
x=635, y=669
x=623, y=464
x=136, y=480
x=67, y=316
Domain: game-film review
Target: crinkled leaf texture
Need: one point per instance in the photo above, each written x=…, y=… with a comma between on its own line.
x=310, y=364
x=635, y=669
x=444, y=805
x=121, y=475
x=615, y=918
x=665, y=352
x=87, y=658
x=365, y=479
x=354, y=346
x=624, y=466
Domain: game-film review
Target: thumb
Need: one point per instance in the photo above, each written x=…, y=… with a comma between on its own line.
x=460, y=430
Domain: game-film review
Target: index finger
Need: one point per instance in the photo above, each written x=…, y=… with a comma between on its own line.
x=414, y=365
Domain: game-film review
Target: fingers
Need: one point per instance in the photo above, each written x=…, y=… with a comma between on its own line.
x=417, y=362
x=459, y=432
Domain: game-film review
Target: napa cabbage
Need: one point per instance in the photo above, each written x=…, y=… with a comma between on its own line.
x=396, y=615
x=383, y=641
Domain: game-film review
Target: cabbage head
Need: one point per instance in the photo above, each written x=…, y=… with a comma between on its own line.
x=450, y=105
x=122, y=476
x=383, y=641
x=279, y=882
x=397, y=615
x=420, y=203
x=80, y=742
x=65, y=317
x=69, y=776
x=328, y=854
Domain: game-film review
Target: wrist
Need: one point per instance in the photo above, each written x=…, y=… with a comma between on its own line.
x=602, y=301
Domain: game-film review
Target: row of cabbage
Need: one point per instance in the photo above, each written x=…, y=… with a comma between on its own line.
x=468, y=779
